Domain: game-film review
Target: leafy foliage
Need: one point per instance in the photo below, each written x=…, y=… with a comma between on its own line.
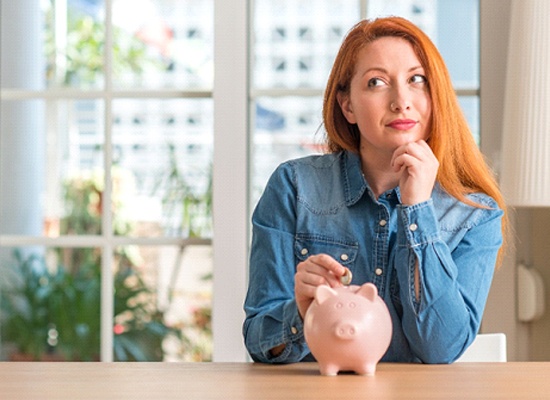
x=44, y=310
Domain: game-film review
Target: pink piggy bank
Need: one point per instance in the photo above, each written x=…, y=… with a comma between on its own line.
x=348, y=329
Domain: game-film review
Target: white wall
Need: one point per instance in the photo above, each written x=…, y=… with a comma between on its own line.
x=539, y=349
x=500, y=314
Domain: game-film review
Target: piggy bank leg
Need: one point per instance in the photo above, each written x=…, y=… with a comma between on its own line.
x=328, y=369
x=367, y=369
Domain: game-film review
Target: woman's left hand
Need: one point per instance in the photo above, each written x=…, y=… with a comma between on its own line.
x=418, y=167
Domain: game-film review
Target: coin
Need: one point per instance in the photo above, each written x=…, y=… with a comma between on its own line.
x=346, y=278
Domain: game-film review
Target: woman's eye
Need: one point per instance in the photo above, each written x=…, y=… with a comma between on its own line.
x=418, y=79
x=375, y=82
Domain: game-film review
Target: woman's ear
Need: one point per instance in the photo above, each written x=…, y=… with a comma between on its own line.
x=345, y=106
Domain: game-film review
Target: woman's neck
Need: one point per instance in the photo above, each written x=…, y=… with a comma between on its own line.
x=378, y=173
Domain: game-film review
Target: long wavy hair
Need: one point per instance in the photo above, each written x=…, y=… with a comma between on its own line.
x=462, y=167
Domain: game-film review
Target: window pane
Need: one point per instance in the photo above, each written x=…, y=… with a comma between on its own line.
x=50, y=299
x=155, y=44
x=421, y=12
x=460, y=51
x=163, y=167
x=51, y=167
x=163, y=302
x=470, y=107
x=74, y=39
x=286, y=127
x=169, y=44
x=295, y=41
x=77, y=159
x=441, y=20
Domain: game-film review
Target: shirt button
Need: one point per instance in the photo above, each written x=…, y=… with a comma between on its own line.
x=344, y=257
x=304, y=251
x=294, y=330
x=382, y=222
x=378, y=271
x=413, y=227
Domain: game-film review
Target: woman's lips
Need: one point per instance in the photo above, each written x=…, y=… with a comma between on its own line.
x=402, y=124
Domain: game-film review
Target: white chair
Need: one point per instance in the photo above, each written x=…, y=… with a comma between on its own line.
x=487, y=347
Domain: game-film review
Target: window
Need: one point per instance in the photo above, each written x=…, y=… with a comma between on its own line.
x=107, y=142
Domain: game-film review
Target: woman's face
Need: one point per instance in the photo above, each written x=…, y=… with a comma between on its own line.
x=388, y=98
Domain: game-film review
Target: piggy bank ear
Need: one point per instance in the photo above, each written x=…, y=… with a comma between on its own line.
x=369, y=291
x=324, y=292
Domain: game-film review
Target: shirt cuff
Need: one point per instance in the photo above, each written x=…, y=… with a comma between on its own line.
x=293, y=336
x=419, y=224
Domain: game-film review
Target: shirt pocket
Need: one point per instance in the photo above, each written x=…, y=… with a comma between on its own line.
x=345, y=252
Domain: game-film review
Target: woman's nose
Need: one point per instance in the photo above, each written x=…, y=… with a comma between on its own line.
x=399, y=101
x=399, y=106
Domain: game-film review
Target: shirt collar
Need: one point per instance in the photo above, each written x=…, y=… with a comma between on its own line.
x=355, y=183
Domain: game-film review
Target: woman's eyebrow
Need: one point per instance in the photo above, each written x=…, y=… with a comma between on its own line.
x=385, y=71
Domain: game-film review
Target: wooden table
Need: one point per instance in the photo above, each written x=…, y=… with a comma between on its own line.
x=119, y=381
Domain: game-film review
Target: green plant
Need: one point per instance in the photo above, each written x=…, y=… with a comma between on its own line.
x=46, y=311
x=56, y=308
x=139, y=325
x=84, y=51
x=198, y=335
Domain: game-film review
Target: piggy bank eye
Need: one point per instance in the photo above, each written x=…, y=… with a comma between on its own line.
x=351, y=305
x=338, y=305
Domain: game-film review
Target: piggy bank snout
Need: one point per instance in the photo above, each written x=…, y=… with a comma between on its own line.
x=345, y=331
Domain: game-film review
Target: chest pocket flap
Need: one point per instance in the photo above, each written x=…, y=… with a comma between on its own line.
x=345, y=252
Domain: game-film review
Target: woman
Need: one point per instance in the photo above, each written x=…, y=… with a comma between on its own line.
x=403, y=199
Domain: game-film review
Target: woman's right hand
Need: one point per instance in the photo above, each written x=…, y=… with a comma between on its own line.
x=316, y=270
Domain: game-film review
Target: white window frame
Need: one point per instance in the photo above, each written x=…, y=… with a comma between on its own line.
x=230, y=175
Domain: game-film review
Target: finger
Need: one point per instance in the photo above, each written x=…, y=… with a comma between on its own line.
x=423, y=144
x=416, y=149
x=328, y=263
x=412, y=154
x=398, y=153
x=346, y=278
x=402, y=155
x=413, y=149
x=321, y=269
x=312, y=277
x=421, y=149
x=403, y=161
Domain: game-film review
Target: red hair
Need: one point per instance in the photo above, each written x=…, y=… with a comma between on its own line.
x=462, y=167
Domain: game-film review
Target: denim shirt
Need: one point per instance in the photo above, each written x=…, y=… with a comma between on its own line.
x=323, y=204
